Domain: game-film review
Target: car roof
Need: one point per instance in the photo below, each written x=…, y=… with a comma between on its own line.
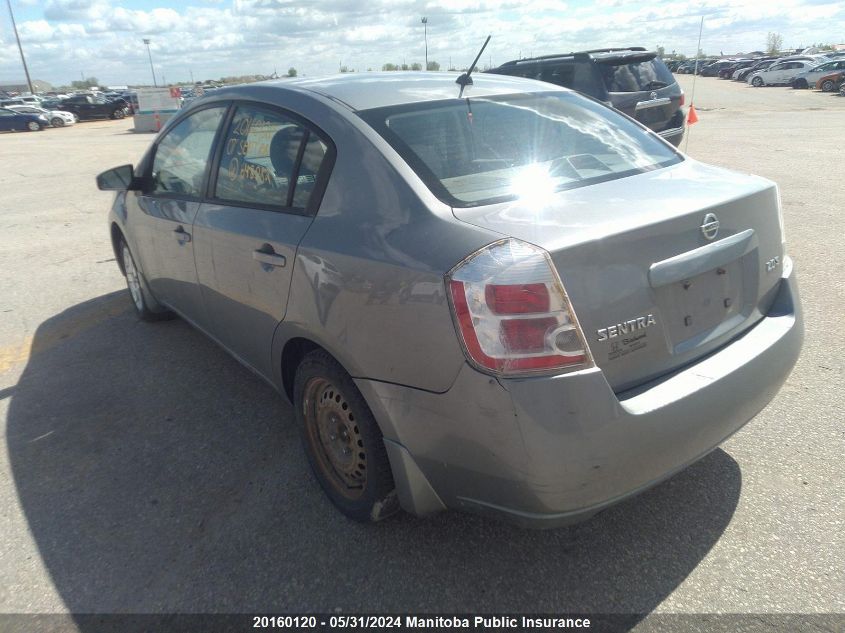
x=364, y=91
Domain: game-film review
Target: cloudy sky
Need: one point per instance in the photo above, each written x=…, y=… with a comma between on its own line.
x=66, y=39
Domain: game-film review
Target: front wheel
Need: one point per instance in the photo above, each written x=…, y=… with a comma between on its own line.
x=342, y=440
x=828, y=86
x=32, y=126
x=801, y=84
x=146, y=307
x=118, y=114
x=757, y=82
x=57, y=122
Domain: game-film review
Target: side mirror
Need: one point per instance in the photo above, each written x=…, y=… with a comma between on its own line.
x=118, y=179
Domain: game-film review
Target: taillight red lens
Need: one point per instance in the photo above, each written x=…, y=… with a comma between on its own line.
x=511, y=279
x=683, y=99
x=517, y=299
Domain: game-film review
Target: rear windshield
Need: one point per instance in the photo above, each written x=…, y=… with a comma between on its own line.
x=479, y=151
x=638, y=76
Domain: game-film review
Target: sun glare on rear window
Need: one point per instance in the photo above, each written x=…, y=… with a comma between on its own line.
x=478, y=151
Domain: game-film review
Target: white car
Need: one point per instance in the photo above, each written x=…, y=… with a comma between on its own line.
x=779, y=73
x=57, y=118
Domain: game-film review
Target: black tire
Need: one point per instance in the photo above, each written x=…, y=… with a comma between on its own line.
x=828, y=86
x=757, y=82
x=146, y=307
x=801, y=84
x=118, y=114
x=333, y=418
x=57, y=122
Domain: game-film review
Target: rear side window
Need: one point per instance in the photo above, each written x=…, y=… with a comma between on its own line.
x=638, y=76
x=268, y=159
x=479, y=151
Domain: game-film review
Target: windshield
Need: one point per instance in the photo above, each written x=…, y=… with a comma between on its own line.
x=478, y=151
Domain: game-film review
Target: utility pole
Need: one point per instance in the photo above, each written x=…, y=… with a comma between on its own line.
x=425, y=35
x=20, y=48
x=147, y=42
x=192, y=76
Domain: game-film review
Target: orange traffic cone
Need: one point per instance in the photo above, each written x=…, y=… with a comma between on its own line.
x=692, y=117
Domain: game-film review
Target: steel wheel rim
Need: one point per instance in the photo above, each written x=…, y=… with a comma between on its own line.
x=57, y=122
x=335, y=438
x=33, y=126
x=132, y=279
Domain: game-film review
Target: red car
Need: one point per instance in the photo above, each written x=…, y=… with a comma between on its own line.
x=831, y=82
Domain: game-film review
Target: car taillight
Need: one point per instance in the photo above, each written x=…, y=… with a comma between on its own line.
x=512, y=313
x=683, y=99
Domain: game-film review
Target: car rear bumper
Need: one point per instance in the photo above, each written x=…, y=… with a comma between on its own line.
x=544, y=452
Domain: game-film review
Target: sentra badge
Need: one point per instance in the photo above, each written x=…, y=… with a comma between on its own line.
x=626, y=327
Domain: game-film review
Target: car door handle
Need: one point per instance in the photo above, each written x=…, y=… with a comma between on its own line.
x=271, y=258
x=182, y=235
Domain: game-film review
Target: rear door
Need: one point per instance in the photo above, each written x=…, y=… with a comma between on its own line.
x=267, y=179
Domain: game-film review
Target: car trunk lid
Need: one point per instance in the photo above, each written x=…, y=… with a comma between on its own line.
x=654, y=280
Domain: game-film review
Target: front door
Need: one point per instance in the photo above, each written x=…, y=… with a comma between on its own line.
x=247, y=234
x=168, y=207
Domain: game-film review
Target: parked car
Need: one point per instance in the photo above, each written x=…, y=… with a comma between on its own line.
x=712, y=70
x=614, y=309
x=11, y=121
x=780, y=73
x=88, y=106
x=810, y=76
x=742, y=73
x=632, y=80
x=728, y=71
x=830, y=82
x=57, y=118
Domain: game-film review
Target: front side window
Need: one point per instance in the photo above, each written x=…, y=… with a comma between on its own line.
x=479, y=151
x=268, y=159
x=182, y=155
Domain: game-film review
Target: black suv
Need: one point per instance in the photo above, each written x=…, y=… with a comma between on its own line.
x=632, y=80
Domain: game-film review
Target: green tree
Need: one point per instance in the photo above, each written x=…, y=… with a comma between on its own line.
x=88, y=82
x=390, y=67
x=661, y=52
x=416, y=66
x=432, y=65
x=774, y=42
x=291, y=72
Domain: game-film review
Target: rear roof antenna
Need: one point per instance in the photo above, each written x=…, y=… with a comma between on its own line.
x=465, y=79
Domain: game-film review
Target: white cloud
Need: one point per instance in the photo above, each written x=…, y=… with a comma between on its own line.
x=214, y=38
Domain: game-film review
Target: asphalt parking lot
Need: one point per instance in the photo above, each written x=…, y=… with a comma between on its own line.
x=144, y=470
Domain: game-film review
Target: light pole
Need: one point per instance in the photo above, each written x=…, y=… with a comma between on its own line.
x=20, y=48
x=425, y=35
x=147, y=42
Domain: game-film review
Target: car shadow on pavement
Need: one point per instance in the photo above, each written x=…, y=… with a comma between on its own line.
x=158, y=475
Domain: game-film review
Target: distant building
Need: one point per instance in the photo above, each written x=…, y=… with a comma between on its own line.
x=20, y=86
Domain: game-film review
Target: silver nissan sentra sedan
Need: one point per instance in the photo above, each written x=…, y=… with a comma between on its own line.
x=515, y=301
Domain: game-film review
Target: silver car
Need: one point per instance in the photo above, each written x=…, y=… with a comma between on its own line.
x=779, y=73
x=505, y=298
x=808, y=78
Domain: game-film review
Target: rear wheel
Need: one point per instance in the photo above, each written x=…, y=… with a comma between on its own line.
x=801, y=84
x=342, y=440
x=118, y=114
x=146, y=307
x=57, y=122
x=757, y=82
x=828, y=85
